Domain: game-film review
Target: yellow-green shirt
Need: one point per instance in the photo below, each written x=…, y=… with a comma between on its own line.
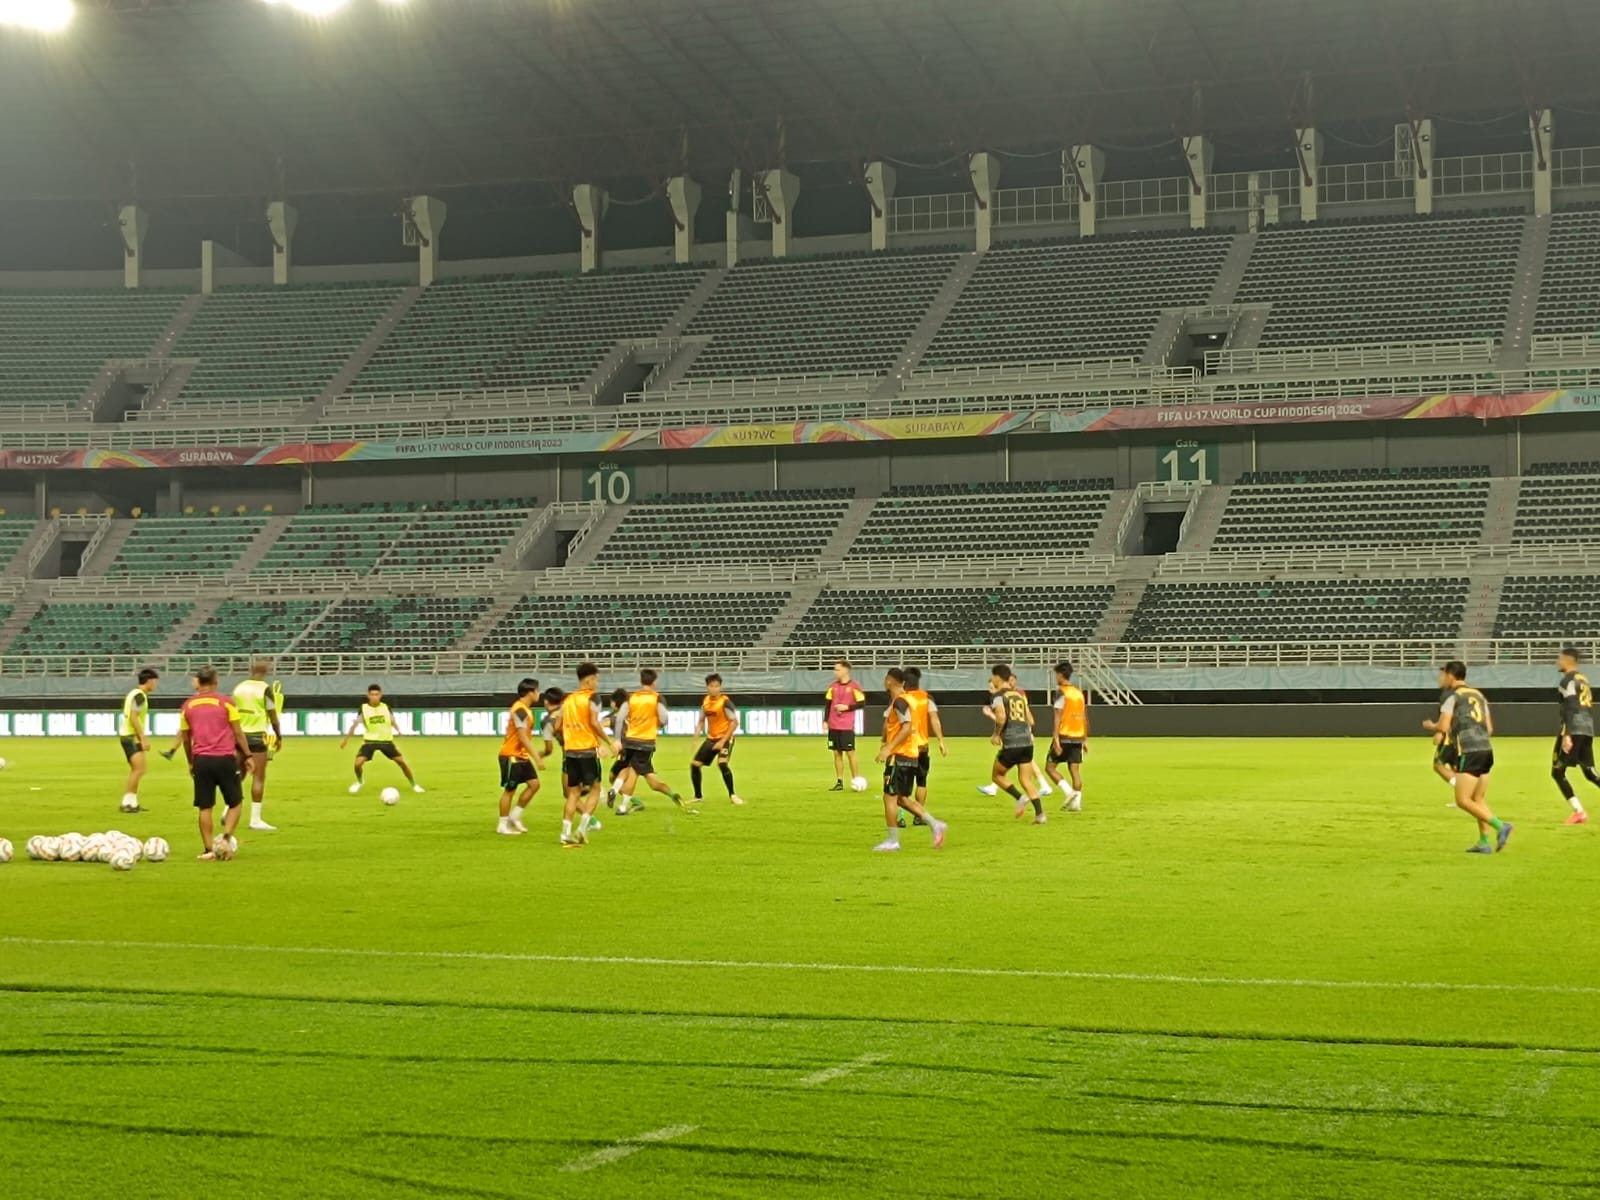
x=253, y=699
x=377, y=723
x=135, y=714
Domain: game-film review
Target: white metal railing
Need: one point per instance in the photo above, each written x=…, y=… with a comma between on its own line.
x=1421, y=656
x=1547, y=347
x=218, y=411
x=1072, y=370
x=1155, y=492
x=763, y=386
x=952, y=568
x=1473, y=351
x=609, y=578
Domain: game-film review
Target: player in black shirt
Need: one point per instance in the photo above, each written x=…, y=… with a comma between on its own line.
x=1575, y=742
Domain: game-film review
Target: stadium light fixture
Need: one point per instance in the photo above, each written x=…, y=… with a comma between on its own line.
x=41, y=16
x=311, y=8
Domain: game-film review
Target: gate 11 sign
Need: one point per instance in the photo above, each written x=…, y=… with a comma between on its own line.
x=1178, y=462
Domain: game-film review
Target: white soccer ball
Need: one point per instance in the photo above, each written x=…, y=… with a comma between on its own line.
x=71, y=847
x=390, y=796
x=858, y=784
x=122, y=861
x=2, y=764
x=93, y=847
x=50, y=849
x=6, y=851
x=156, y=849
x=224, y=847
x=35, y=847
x=131, y=846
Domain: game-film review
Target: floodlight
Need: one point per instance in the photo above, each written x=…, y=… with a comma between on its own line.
x=42, y=16
x=313, y=8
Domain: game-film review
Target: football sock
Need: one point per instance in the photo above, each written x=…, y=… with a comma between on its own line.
x=583, y=823
x=1037, y=806
x=727, y=777
x=1494, y=824
x=894, y=835
x=516, y=812
x=566, y=829
x=503, y=825
x=1013, y=791
x=1483, y=839
x=255, y=811
x=696, y=777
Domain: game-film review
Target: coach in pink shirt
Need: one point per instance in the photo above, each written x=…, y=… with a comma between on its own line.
x=215, y=746
x=845, y=698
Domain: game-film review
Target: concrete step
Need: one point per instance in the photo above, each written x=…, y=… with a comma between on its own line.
x=595, y=533
x=1207, y=518
x=185, y=629
x=1130, y=589
x=43, y=534
x=790, y=615
x=1158, y=349
x=1231, y=275
x=492, y=616
x=101, y=556
x=171, y=386
x=675, y=368
x=1104, y=540
x=927, y=329
x=1517, y=335
x=848, y=529
x=169, y=336
x=24, y=610
x=694, y=302
x=261, y=543
x=362, y=354
x=1483, y=601
x=1500, y=511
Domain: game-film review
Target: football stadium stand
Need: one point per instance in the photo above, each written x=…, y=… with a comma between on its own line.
x=1353, y=508
x=664, y=620
x=1081, y=299
x=180, y=545
x=53, y=344
x=953, y=616
x=1569, y=297
x=752, y=525
x=931, y=521
x=396, y=537
x=14, y=534
x=99, y=628
x=254, y=626
x=1559, y=607
x=818, y=316
x=393, y=624
x=1424, y=279
x=1559, y=507
x=1291, y=610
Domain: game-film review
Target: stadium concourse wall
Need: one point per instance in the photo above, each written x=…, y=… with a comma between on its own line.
x=1127, y=458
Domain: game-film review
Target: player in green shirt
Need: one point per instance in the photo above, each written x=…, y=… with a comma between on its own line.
x=376, y=723
x=257, y=702
x=133, y=730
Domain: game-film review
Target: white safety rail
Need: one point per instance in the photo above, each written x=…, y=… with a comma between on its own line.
x=1565, y=347
x=1366, y=561
x=764, y=387
x=1321, y=359
x=1121, y=367
x=1002, y=572
x=1185, y=491
x=220, y=411
x=1116, y=657
x=668, y=577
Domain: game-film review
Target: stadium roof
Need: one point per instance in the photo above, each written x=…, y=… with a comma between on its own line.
x=153, y=98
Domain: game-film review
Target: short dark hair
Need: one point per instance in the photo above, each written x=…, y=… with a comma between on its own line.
x=1064, y=669
x=647, y=677
x=206, y=676
x=374, y=687
x=528, y=685
x=587, y=670
x=896, y=674
x=1456, y=669
x=1000, y=671
x=620, y=696
x=149, y=673
x=713, y=678
x=553, y=695
x=1571, y=652
x=845, y=663
x=914, y=676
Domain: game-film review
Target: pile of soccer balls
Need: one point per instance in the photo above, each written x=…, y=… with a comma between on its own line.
x=119, y=849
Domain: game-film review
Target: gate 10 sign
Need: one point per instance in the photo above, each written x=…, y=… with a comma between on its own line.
x=1178, y=462
x=610, y=482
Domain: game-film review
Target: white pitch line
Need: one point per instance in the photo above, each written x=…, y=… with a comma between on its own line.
x=732, y=964
x=628, y=1146
x=843, y=1069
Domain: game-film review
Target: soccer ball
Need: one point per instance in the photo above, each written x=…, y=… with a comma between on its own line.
x=389, y=796
x=93, y=847
x=6, y=852
x=2, y=764
x=122, y=861
x=49, y=849
x=156, y=849
x=35, y=847
x=858, y=784
x=224, y=847
x=71, y=847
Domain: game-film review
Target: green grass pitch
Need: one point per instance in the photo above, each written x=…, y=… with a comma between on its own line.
x=1247, y=968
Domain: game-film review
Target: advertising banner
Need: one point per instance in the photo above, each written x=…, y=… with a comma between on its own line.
x=319, y=452
x=804, y=433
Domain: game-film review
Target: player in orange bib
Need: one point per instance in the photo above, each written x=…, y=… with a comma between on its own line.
x=1071, y=740
x=641, y=718
x=719, y=723
x=902, y=747
x=517, y=761
x=583, y=741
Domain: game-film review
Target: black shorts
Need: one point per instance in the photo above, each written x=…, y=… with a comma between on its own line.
x=1014, y=756
x=901, y=778
x=924, y=761
x=1071, y=753
x=1446, y=754
x=257, y=742
x=371, y=750
x=1581, y=754
x=841, y=739
x=581, y=772
x=641, y=760
x=515, y=771
x=1476, y=762
x=708, y=752
x=213, y=774
x=130, y=747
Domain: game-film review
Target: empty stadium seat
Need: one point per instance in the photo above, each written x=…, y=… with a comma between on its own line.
x=725, y=526
x=1569, y=295
x=14, y=534
x=1418, y=279
x=675, y=620
x=1562, y=608
x=816, y=316
x=1049, y=614
x=1558, y=508
x=177, y=545
x=932, y=521
x=1373, y=509
x=396, y=537
x=253, y=626
x=1300, y=610
x=394, y=624
x=1084, y=298
x=99, y=628
x=53, y=344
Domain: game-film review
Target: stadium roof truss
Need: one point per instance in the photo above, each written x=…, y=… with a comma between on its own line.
x=202, y=98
